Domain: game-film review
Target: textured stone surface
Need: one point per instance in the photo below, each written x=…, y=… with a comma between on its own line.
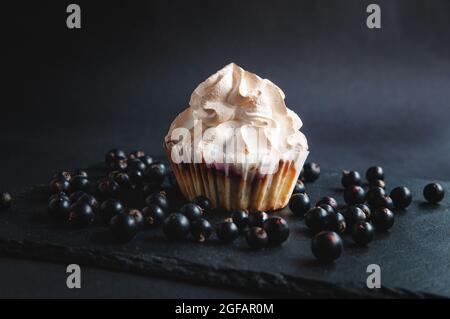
x=413, y=256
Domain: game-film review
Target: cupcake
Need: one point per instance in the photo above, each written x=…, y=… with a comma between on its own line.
x=237, y=143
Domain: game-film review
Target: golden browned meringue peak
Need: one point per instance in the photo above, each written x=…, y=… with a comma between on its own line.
x=236, y=107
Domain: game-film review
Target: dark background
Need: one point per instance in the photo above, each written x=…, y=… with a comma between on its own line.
x=365, y=96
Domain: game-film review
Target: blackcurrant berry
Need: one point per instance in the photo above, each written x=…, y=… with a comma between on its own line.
x=377, y=183
x=350, y=178
x=311, y=172
x=328, y=208
x=382, y=219
x=374, y=173
x=138, y=216
x=59, y=185
x=176, y=226
x=203, y=202
x=257, y=219
x=75, y=196
x=318, y=219
x=384, y=201
x=353, y=215
x=79, y=172
x=110, y=208
x=201, y=230
x=80, y=215
x=256, y=238
x=58, y=208
x=277, y=229
x=136, y=177
x=136, y=165
x=123, y=179
x=58, y=195
x=147, y=160
x=80, y=183
x=156, y=172
x=5, y=201
x=337, y=223
x=374, y=195
x=120, y=164
x=123, y=227
x=108, y=187
x=240, y=218
x=191, y=211
x=354, y=195
x=90, y=200
x=329, y=201
x=227, y=232
x=136, y=154
x=362, y=233
x=63, y=175
x=159, y=199
x=153, y=215
x=299, y=187
x=327, y=246
x=434, y=193
x=113, y=155
x=401, y=197
x=366, y=210
x=299, y=204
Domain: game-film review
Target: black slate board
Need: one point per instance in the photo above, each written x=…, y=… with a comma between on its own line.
x=413, y=256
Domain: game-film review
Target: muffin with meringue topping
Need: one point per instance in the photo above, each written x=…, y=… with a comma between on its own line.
x=237, y=143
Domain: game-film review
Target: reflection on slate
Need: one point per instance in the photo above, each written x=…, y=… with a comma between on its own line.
x=413, y=256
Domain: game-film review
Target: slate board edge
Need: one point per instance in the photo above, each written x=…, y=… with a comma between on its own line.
x=265, y=283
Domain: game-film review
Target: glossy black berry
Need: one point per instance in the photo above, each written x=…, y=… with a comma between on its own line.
x=147, y=160
x=201, y=230
x=138, y=216
x=136, y=165
x=80, y=215
x=299, y=187
x=136, y=178
x=123, y=227
x=384, y=201
x=58, y=195
x=374, y=195
x=311, y=172
x=176, y=226
x=354, y=195
x=63, y=175
x=401, y=197
x=382, y=219
x=299, y=204
x=203, y=202
x=159, y=199
x=373, y=173
x=80, y=183
x=327, y=246
x=318, y=219
x=80, y=172
x=153, y=215
x=227, y=232
x=353, y=215
x=377, y=183
x=240, y=218
x=257, y=238
x=277, y=229
x=257, y=219
x=350, y=178
x=337, y=223
x=120, y=164
x=191, y=211
x=90, y=200
x=5, y=201
x=366, y=210
x=59, y=185
x=362, y=233
x=110, y=208
x=107, y=187
x=434, y=193
x=329, y=201
x=156, y=172
x=114, y=155
x=123, y=179
x=328, y=208
x=136, y=154
x=58, y=208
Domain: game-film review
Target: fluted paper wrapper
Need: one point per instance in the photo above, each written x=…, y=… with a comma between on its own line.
x=230, y=188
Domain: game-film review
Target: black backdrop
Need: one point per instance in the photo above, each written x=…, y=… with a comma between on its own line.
x=365, y=96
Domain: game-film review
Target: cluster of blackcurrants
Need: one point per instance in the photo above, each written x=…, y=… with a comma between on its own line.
x=78, y=201
x=364, y=212
x=259, y=229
